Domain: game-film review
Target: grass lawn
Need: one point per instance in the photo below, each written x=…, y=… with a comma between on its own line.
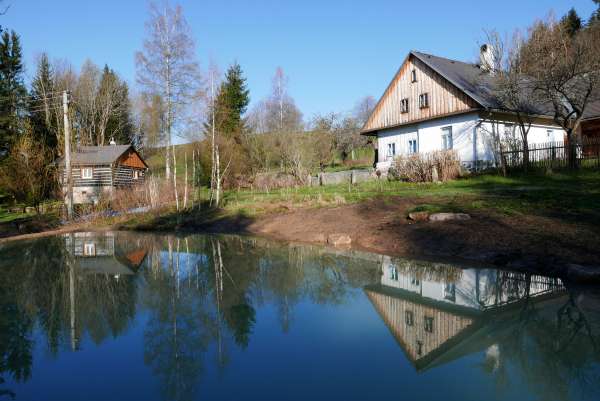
x=572, y=194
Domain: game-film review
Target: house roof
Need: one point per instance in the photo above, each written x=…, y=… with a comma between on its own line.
x=592, y=111
x=94, y=155
x=467, y=77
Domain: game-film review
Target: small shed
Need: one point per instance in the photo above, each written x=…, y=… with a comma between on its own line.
x=98, y=170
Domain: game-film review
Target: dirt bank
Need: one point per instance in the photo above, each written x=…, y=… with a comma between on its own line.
x=524, y=242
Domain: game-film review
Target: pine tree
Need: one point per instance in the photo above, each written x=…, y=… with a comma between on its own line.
x=12, y=90
x=232, y=102
x=571, y=22
x=41, y=105
x=595, y=17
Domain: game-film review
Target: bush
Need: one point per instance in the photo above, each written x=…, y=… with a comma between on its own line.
x=426, y=167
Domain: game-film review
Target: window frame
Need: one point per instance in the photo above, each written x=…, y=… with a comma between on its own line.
x=86, y=176
x=413, y=150
x=428, y=324
x=447, y=138
x=413, y=75
x=404, y=105
x=424, y=100
x=91, y=246
x=391, y=150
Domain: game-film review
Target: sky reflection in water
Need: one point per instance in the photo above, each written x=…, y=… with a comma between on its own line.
x=125, y=316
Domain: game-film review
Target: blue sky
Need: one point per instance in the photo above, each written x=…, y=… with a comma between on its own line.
x=334, y=52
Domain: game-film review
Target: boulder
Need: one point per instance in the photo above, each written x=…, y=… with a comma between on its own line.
x=448, y=216
x=339, y=239
x=418, y=216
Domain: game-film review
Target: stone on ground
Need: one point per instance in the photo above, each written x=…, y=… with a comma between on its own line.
x=418, y=216
x=339, y=239
x=448, y=216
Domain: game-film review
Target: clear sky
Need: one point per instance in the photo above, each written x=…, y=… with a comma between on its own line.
x=333, y=51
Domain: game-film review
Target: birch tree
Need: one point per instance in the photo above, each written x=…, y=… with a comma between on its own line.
x=167, y=66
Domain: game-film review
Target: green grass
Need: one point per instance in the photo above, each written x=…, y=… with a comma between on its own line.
x=568, y=193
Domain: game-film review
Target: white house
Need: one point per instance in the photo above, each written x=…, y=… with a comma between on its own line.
x=434, y=103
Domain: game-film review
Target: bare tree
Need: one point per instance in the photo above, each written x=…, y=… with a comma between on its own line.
x=513, y=91
x=167, y=66
x=566, y=70
x=86, y=102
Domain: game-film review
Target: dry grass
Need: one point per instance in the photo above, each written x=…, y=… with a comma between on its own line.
x=426, y=167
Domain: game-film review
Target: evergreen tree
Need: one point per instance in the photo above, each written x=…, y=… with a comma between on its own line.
x=12, y=89
x=120, y=124
x=571, y=22
x=232, y=102
x=41, y=104
x=595, y=17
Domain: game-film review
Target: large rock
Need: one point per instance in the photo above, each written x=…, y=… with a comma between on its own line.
x=448, y=216
x=418, y=216
x=339, y=239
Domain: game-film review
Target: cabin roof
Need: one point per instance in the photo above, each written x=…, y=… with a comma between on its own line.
x=98, y=155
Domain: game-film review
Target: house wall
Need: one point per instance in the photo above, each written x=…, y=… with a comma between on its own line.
x=472, y=138
x=444, y=98
x=91, y=194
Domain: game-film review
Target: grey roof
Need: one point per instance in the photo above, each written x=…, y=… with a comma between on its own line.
x=467, y=77
x=97, y=154
x=592, y=110
x=475, y=82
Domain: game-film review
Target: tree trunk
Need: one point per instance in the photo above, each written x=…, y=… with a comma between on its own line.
x=175, y=178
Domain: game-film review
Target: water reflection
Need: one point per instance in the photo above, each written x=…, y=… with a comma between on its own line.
x=195, y=303
x=520, y=322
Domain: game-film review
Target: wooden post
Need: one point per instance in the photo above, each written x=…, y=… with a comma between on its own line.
x=68, y=173
x=185, y=190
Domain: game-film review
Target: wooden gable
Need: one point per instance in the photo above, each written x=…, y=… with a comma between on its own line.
x=444, y=98
x=416, y=341
x=132, y=159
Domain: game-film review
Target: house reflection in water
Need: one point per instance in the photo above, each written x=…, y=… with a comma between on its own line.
x=99, y=253
x=438, y=312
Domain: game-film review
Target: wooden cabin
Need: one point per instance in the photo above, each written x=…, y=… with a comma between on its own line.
x=98, y=170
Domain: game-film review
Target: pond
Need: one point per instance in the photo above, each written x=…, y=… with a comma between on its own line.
x=128, y=316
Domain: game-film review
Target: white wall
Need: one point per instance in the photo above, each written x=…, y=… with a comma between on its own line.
x=429, y=137
x=472, y=138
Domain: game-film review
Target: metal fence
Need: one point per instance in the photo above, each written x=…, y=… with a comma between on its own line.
x=586, y=153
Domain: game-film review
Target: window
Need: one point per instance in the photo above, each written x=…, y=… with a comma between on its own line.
x=447, y=142
x=419, y=347
x=394, y=273
x=550, y=135
x=413, y=76
x=412, y=146
x=428, y=324
x=89, y=249
x=404, y=105
x=409, y=318
x=423, y=100
x=509, y=131
x=391, y=150
x=415, y=281
x=450, y=292
x=136, y=174
x=87, y=172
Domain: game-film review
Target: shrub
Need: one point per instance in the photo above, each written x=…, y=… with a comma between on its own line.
x=426, y=167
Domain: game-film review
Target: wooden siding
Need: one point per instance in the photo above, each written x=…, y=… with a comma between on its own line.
x=416, y=341
x=102, y=176
x=444, y=98
x=132, y=159
x=123, y=175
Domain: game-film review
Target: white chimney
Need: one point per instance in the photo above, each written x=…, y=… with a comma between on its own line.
x=487, y=58
x=112, y=141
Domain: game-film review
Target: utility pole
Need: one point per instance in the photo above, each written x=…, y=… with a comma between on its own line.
x=68, y=173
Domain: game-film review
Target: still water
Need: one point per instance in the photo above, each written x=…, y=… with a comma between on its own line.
x=123, y=316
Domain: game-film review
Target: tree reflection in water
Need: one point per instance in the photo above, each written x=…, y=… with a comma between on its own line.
x=201, y=295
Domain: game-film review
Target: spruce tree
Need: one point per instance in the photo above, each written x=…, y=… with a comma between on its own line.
x=12, y=90
x=571, y=22
x=232, y=103
x=43, y=100
x=595, y=17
